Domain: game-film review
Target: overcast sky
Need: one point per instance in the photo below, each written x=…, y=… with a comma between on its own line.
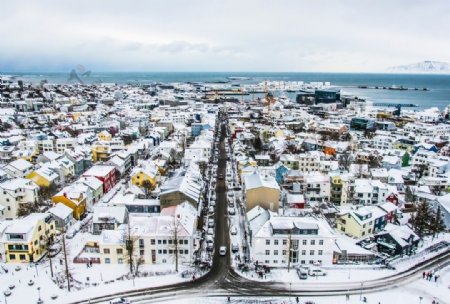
x=226, y=35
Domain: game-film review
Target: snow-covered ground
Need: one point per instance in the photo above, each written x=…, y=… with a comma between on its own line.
x=104, y=276
x=418, y=291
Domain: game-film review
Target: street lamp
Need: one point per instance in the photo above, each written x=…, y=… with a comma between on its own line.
x=290, y=288
x=360, y=294
x=39, y=294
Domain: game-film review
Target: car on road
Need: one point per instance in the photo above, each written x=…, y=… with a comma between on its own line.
x=210, y=231
x=233, y=230
x=223, y=250
x=119, y=301
x=211, y=209
x=231, y=211
x=212, y=203
x=220, y=176
x=7, y=293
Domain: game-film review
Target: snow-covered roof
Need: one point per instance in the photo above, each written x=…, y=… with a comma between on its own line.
x=116, y=213
x=444, y=201
x=99, y=170
x=255, y=180
x=61, y=211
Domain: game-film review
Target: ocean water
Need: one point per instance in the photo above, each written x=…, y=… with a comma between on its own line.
x=437, y=96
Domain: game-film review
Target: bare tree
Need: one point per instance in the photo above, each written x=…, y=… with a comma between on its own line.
x=66, y=264
x=129, y=240
x=148, y=187
x=175, y=229
x=202, y=166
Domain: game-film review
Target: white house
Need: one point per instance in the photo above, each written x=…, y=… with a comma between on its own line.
x=311, y=240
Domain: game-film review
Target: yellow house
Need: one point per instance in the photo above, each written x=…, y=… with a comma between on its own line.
x=100, y=152
x=72, y=199
x=104, y=136
x=356, y=223
x=140, y=175
x=336, y=190
x=43, y=177
x=262, y=191
x=25, y=240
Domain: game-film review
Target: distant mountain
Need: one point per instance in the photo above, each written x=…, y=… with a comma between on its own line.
x=427, y=66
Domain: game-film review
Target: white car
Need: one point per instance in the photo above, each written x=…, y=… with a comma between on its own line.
x=233, y=230
x=119, y=301
x=315, y=272
x=223, y=250
x=210, y=231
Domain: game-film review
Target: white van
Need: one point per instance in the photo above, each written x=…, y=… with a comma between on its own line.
x=316, y=272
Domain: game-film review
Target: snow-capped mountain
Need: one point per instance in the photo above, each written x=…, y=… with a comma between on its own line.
x=426, y=66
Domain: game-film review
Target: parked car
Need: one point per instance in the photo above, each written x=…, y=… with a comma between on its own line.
x=231, y=211
x=210, y=231
x=210, y=246
x=315, y=272
x=211, y=209
x=187, y=273
x=7, y=293
x=211, y=223
x=233, y=230
x=302, y=273
x=234, y=247
x=223, y=250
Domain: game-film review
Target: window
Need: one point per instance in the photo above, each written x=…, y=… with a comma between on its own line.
x=107, y=261
x=275, y=261
x=141, y=243
x=311, y=262
x=120, y=261
x=152, y=241
x=311, y=252
x=284, y=242
x=320, y=252
x=164, y=251
x=164, y=242
x=22, y=257
x=106, y=251
x=186, y=251
x=164, y=261
x=180, y=242
x=170, y=251
x=119, y=250
x=304, y=242
x=302, y=262
x=267, y=252
x=12, y=257
x=313, y=242
x=275, y=242
x=141, y=252
x=284, y=252
x=170, y=242
x=159, y=251
x=303, y=252
x=159, y=242
x=275, y=252
x=321, y=242
x=267, y=261
x=267, y=242
x=185, y=242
